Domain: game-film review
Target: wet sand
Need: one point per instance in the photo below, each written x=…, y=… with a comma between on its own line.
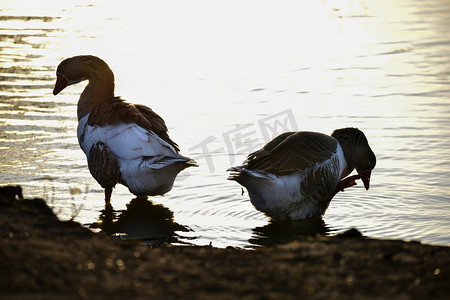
x=45, y=258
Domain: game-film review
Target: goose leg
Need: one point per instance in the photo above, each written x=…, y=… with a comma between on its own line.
x=107, y=224
x=108, y=192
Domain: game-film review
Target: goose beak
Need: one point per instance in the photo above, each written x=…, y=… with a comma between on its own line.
x=61, y=83
x=365, y=177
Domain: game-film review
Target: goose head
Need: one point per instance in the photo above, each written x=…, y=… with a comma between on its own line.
x=79, y=68
x=357, y=152
x=365, y=160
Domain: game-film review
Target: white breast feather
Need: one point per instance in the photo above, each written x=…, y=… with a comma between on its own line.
x=342, y=161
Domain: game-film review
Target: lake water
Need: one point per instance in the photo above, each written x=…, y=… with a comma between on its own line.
x=227, y=77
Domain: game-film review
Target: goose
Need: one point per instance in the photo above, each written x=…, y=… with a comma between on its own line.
x=124, y=143
x=295, y=175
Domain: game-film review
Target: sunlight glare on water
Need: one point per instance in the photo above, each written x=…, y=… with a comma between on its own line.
x=226, y=77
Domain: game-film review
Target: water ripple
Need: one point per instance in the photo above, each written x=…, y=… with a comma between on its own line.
x=388, y=76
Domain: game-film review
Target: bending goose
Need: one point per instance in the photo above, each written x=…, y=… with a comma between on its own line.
x=296, y=175
x=124, y=143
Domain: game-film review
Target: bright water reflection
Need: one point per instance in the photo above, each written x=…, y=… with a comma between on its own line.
x=217, y=70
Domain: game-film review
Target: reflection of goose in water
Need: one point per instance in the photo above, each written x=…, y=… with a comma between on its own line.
x=276, y=233
x=141, y=220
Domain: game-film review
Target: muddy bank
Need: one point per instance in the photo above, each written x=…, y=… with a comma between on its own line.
x=45, y=258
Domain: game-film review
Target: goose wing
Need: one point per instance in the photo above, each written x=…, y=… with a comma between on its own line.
x=157, y=124
x=127, y=133
x=291, y=152
x=116, y=110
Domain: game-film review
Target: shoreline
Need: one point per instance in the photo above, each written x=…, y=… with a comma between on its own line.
x=44, y=257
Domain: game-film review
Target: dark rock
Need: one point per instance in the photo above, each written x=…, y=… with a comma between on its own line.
x=351, y=233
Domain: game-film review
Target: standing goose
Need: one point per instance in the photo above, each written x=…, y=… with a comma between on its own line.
x=296, y=175
x=124, y=143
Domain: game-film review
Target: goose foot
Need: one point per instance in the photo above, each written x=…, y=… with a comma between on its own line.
x=343, y=184
x=346, y=183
